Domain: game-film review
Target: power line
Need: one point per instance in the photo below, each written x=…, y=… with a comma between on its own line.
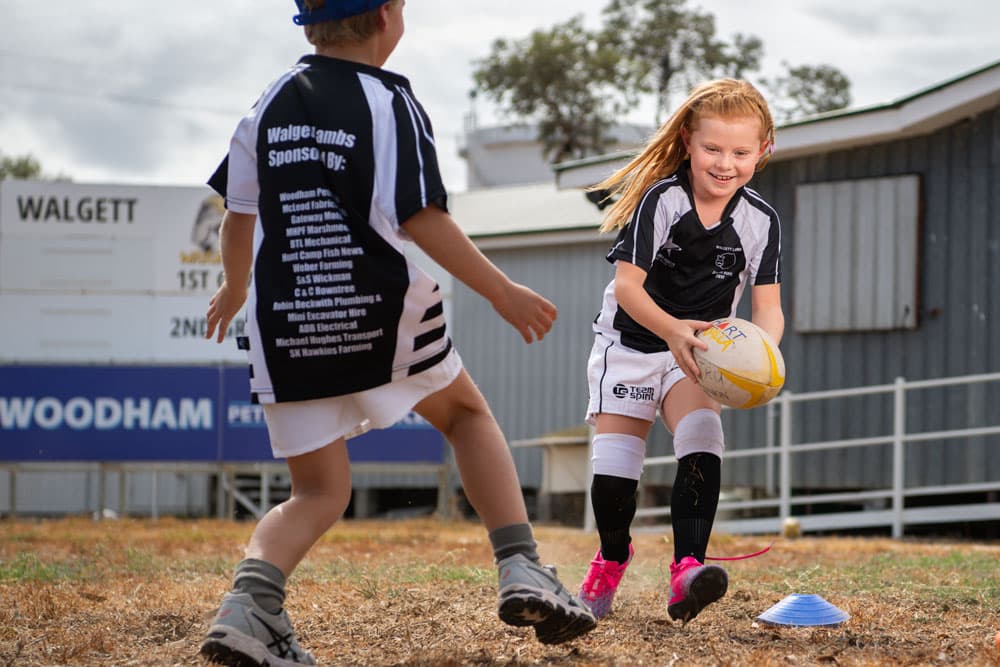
x=79, y=66
x=100, y=70
x=121, y=99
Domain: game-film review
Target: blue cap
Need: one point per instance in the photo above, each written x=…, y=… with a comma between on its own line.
x=334, y=10
x=803, y=611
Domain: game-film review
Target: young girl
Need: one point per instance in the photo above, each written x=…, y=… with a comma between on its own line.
x=692, y=236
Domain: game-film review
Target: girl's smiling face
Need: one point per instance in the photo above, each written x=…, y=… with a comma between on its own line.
x=724, y=155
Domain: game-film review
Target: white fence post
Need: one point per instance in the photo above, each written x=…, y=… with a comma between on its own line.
x=12, y=472
x=265, y=492
x=122, y=491
x=898, y=460
x=154, y=491
x=589, y=522
x=769, y=486
x=785, y=456
x=101, y=491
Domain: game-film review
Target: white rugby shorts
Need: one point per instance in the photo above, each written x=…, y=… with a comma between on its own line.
x=626, y=382
x=300, y=427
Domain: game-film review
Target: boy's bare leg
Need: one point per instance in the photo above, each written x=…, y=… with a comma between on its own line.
x=484, y=462
x=252, y=618
x=528, y=594
x=321, y=491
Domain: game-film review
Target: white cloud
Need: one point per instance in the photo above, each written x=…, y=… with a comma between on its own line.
x=150, y=93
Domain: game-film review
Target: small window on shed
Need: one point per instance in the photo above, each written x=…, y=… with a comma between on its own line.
x=856, y=254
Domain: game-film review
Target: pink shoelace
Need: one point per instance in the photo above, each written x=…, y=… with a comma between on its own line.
x=744, y=557
x=599, y=579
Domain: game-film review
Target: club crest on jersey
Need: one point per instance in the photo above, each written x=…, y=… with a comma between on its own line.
x=726, y=261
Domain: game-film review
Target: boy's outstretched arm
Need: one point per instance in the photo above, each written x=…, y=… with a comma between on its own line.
x=236, y=247
x=438, y=235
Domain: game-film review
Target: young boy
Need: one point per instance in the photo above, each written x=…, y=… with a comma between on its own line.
x=326, y=178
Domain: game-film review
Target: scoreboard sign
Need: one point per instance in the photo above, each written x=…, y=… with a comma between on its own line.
x=84, y=238
x=109, y=273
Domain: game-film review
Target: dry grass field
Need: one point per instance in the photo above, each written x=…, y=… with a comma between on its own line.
x=422, y=592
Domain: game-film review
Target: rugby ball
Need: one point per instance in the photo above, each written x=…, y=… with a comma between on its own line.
x=742, y=367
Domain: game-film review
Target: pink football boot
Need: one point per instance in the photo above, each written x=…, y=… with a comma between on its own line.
x=693, y=587
x=599, y=586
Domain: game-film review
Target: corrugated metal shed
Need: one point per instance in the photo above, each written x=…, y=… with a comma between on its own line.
x=856, y=245
x=949, y=135
x=538, y=208
x=957, y=317
x=538, y=388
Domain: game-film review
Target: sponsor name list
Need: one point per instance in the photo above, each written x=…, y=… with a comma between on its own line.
x=327, y=311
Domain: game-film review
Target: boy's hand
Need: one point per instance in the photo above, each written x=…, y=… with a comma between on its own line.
x=682, y=340
x=222, y=308
x=528, y=312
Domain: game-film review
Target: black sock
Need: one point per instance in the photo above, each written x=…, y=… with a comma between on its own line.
x=613, y=499
x=693, y=502
x=263, y=581
x=516, y=538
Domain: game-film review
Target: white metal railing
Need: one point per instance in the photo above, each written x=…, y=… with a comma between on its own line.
x=898, y=516
x=228, y=496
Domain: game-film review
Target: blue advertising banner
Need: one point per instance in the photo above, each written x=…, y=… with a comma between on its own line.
x=161, y=413
x=244, y=433
x=410, y=439
x=109, y=413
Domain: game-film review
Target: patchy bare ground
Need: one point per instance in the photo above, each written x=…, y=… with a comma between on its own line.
x=131, y=592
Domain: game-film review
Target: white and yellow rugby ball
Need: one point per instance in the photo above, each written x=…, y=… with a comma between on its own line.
x=742, y=367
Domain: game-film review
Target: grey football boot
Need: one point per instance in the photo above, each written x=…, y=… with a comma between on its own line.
x=530, y=594
x=244, y=635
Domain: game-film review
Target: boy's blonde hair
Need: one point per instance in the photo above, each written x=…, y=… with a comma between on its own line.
x=351, y=30
x=725, y=98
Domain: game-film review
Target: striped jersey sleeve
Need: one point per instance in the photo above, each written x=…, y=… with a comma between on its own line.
x=639, y=240
x=769, y=270
x=418, y=182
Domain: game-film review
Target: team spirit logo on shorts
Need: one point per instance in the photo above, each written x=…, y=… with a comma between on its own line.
x=632, y=392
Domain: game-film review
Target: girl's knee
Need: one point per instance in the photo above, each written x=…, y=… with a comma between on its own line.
x=699, y=431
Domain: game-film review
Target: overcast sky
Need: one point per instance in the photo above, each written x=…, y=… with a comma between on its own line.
x=149, y=92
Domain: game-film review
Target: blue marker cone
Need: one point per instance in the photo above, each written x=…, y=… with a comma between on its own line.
x=804, y=611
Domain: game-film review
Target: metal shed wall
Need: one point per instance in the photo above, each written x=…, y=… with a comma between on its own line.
x=537, y=389
x=541, y=388
x=958, y=315
x=874, y=222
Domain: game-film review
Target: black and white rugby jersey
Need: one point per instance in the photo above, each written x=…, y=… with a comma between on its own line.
x=692, y=272
x=332, y=159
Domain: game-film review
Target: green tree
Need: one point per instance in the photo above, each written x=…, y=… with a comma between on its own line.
x=563, y=78
x=574, y=83
x=20, y=166
x=667, y=47
x=807, y=90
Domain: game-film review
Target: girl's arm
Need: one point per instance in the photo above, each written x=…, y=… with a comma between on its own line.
x=678, y=334
x=438, y=235
x=766, y=310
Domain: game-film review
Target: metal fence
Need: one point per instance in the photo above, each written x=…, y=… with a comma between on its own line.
x=886, y=507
